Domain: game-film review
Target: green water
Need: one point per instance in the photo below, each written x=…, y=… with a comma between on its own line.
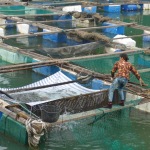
x=123, y=130
x=21, y=10
x=126, y=130
x=45, y=47
x=116, y=131
x=139, y=59
x=18, y=78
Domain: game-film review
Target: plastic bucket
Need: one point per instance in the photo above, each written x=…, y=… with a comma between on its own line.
x=36, y=110
x=50, y=113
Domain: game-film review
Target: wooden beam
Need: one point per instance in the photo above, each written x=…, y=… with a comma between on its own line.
x=40, y=87
x=67, y=30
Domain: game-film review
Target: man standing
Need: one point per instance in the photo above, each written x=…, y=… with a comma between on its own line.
x=121, y=79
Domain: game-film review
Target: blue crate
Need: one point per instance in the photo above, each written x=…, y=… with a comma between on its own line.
x=114, y=30
x=112, y=8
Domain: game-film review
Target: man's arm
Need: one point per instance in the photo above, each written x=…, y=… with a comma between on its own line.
x=135, y=72
x=115, y=68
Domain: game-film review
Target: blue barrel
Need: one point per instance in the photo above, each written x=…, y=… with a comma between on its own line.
x=132, y=7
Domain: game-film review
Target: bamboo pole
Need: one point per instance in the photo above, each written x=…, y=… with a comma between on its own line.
x=67, y=30
x=40, y=87
x=33, y=15
x=132, y=36
x=47, y=21
x=12, y=68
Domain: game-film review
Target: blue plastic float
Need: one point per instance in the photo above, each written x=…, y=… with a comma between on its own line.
x=112, y=8
x=132, y=7
x=90, y=10
x=114, y=30
x=56, y=37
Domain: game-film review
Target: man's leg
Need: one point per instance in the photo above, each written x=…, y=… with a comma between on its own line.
x=112, y=88
x=122, y=84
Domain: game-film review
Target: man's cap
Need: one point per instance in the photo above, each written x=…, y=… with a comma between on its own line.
x=124, y=56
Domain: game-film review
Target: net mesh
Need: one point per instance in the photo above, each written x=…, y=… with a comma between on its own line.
x=113, y=131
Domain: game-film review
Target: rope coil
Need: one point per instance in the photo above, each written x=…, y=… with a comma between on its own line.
x=34, y=134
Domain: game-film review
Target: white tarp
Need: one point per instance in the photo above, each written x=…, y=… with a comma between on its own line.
x=51, y=93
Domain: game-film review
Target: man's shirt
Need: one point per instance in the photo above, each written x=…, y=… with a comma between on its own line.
x=124, y=69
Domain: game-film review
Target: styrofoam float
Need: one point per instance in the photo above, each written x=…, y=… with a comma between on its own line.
x=2, y=32
x=77, y=8
x=126, y=41
x=26, y=28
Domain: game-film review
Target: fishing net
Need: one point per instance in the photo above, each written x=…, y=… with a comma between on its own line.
x=112, y=131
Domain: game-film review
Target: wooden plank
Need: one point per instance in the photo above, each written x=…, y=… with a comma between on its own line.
x=144, y=70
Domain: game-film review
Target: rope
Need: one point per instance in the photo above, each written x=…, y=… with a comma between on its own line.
x=34, y=135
